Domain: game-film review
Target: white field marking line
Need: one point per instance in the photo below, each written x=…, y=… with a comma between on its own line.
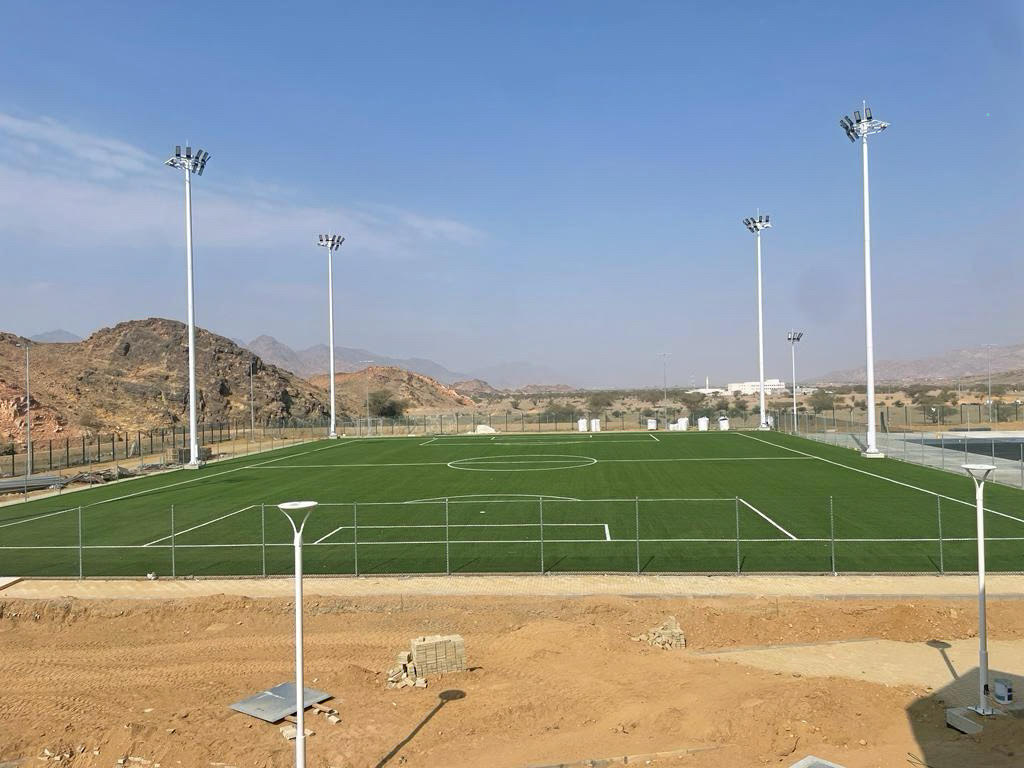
x=654, y=438
x=429, y=441
x=752, y=508
x=194, y=527
x=481, y=461
x=710, y=458
x=172, y=485
x=491, y=497
x=880, y=477
x=417, y=526
x=536, y=442
x=341, y=466
x=38, y=517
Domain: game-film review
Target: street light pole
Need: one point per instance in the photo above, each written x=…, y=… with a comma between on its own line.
x=28, y=411
x=793, y=337
x=664, y=380
x=988, y=356
x=331, y=243
x=755, y=225
x=190, y=164
x=292, y=510
x=861, y=128
x=979, y=473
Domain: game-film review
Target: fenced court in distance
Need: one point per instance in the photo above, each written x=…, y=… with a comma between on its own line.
x=606, y=502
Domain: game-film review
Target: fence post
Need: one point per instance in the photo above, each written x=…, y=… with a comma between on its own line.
x=739, y=562
x=938, y=513
x=636, y=510
x=174, y=562
x=447, y=559
x=832, y=535
x=540, y=502
x=81, y=568
x=942, y=448
x=355, y=538
x=263, y=539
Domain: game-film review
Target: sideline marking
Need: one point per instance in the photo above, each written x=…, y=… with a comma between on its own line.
x=194, y=527
x=653, y=437
x=429, y=441
x=880, y=477
x=751, y=507
x=417, y=526
x=38, y=517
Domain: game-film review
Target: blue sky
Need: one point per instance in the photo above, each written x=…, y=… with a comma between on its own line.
x=557, y=182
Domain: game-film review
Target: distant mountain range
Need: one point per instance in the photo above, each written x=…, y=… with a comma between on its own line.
x=955, y=364
x=313, y=361
x=57, y=336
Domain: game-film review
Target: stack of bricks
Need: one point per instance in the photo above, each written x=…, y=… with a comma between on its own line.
x=433, y=655
x=437, y=654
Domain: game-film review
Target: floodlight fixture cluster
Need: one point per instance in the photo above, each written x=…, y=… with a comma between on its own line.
x=794, y=336
x=861, y=125
x=194, y=163
x=331, y=242
x=756, y=223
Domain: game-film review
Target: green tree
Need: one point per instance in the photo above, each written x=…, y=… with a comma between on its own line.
x=599, y=401
x=384, y=405
x=821, y=401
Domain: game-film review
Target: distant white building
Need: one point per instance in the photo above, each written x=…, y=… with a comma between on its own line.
x=707, y=390
x=771, y=387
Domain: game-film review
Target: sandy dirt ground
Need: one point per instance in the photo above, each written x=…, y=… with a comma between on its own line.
x=555, y=679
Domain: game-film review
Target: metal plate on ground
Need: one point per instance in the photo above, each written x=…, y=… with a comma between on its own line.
x=815, y=762
x=278, y=702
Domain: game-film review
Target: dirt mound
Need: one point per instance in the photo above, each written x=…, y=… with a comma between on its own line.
x=416, y=390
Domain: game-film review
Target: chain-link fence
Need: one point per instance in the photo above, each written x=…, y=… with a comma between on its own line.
x=921, y=534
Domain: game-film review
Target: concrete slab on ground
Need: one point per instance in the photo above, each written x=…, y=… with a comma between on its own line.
x=7, y=581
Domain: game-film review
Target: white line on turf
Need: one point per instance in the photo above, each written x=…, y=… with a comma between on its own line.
x=498, y=463
x=429, y=441
x=417, y=526
x=201, y=525
x=752, y=508
x=654, y=438
x=38, y=517
x=880, y=477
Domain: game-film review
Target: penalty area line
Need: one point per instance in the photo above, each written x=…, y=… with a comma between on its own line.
x=201, y=525
x=754, y=509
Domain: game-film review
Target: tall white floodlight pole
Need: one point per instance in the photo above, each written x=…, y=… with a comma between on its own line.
x=331, y=243
x=28, y=411
x=860, y=128
x=190, y=163
x=664, y=379
x=793, y=337
x=294, y=510
x=755, y=225
x=979, y=473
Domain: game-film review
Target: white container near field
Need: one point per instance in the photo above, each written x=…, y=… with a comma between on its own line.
x=582, y=425
x=652, y=423
x=723, y=423
x=683, y=424
x=595, y=425
x=702, y=424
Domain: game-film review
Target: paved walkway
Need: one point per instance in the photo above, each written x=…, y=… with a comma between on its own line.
x=1000, y=586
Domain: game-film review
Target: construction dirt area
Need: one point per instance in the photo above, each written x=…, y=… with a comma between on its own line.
x=559, y=671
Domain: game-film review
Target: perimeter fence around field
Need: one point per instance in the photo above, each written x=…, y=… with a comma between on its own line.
x=945, y=450
x=239, y=437
x=549, y=535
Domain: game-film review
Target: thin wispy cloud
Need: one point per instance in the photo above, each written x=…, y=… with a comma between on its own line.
x=56, y=179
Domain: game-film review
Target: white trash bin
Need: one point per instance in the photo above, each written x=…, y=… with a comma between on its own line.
x=582, y=425
x=723, y=423
x=683, y=424
x=595, y=425
x=702, y=424
x=652, y=423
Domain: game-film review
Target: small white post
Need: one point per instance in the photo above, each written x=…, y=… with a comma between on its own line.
x=292, y=510
x=979, y=473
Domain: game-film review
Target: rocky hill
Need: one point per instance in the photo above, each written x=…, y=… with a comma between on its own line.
x=418, y=391
x=473, y=387
x=135, y=376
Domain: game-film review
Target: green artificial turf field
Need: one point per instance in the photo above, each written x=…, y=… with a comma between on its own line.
x=613, y=501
